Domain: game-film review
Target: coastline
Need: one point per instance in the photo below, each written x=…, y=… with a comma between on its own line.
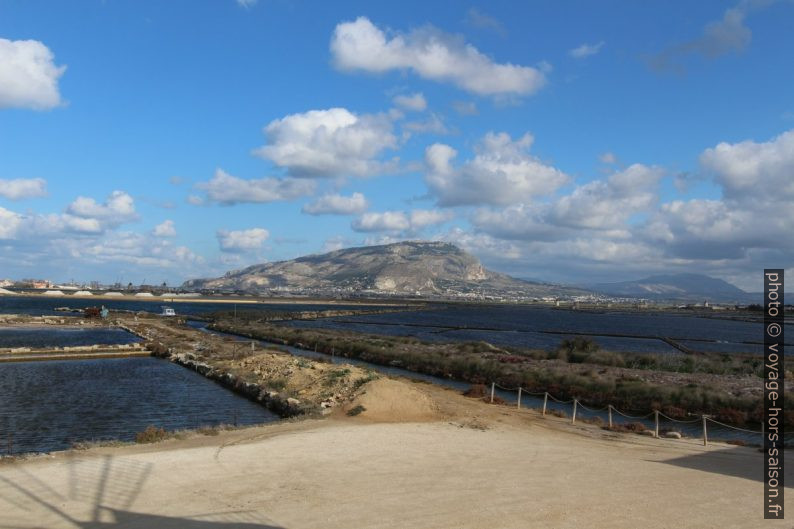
x=225, y=300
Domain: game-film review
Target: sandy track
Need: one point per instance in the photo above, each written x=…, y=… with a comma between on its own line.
x=468, y=465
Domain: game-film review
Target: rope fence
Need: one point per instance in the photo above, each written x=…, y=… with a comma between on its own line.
x=656, y=415
x=685, y=422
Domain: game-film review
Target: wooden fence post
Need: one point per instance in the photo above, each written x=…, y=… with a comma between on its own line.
x=656, y=419
x=705, y=432
x=493, y=388
x=573, y=417
x=545, y=400
x=519, y=397
x=609, y=408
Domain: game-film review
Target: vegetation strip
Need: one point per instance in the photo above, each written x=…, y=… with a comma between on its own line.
x=725, y=385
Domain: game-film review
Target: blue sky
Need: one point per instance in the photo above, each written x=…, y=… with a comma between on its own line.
x=569, y=142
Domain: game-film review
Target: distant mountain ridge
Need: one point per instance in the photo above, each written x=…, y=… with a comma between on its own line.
x=434, y=269
x=684, y=287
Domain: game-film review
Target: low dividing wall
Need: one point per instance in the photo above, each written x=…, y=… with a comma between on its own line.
x=278, y=404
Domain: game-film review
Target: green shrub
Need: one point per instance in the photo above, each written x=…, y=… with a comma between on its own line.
x=278, y=383
x=370, y=376
x=352, y=412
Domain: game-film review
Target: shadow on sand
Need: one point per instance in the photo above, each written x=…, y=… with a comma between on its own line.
x=747, y=463
x=107, y=487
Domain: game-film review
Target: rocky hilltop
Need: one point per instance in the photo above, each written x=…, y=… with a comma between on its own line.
x=433, y=269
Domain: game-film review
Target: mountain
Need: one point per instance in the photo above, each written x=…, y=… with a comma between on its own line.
x=433, y=269
x=684, y=287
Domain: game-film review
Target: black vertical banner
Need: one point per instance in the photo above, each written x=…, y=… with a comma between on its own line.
x=774, y=387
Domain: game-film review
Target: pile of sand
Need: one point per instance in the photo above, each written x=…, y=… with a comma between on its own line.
x=144, y=295
x=53, y=293
x=113, y=294
x=389, y=400
x=83, y=293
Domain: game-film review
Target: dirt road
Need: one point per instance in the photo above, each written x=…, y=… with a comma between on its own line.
x=456, y=463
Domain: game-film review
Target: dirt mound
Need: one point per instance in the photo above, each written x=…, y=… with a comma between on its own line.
x=389, y=400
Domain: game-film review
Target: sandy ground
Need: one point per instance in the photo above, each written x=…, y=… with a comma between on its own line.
x=418, y=457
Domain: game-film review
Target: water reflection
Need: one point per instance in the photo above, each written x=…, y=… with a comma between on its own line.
x=49, y=406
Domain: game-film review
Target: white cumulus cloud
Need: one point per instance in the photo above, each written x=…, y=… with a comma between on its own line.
x=165, y=229
x=19, y=188
x=135, y=249
x=228, y=189
x=242, y=240
x=385, y=221
x=119, y=205
x=69, y=241
x=400, y=221
x=28, y=75
x=326, y=143
x=609, y=204
x=10, y=223
x=749, y=169
x=421, y=218
x=431, y=54
x=755, y=213
x=601, y=207
x=502, y=172
x=86, y=214
x=337, y=205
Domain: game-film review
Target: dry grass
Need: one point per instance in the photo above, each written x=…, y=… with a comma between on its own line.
x=476, y=391
x=628, y=427
x=598, y=421
x=87, y=445
x=152, y=434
